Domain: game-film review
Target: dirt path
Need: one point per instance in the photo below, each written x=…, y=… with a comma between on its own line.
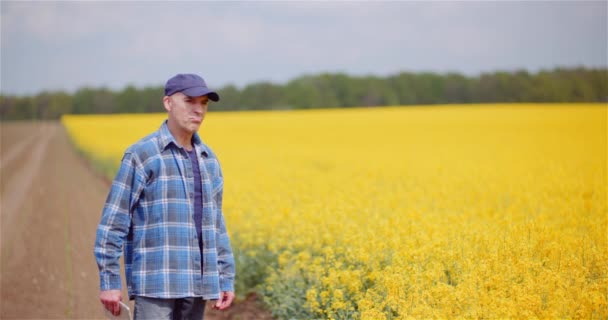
x=50, y=203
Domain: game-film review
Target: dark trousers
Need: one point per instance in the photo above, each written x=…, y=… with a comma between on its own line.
x=169, y=309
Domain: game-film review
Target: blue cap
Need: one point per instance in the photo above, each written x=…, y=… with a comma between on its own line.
x=190, y=85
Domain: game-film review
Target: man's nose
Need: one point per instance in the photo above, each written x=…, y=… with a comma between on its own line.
x=198, y=109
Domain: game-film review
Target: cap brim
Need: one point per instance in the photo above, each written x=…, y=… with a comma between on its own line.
x=200, y=91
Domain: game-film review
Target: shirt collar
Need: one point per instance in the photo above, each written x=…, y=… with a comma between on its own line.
x=165, y=138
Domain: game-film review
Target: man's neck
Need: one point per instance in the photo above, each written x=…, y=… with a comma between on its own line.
x=183, y=138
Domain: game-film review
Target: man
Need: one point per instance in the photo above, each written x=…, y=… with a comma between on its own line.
x=165, y=207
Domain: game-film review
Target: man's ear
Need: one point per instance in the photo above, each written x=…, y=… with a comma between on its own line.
x=168, y=103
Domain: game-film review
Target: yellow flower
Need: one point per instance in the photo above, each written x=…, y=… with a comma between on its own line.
x=485, y=211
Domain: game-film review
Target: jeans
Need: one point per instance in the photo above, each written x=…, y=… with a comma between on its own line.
x=169, y=309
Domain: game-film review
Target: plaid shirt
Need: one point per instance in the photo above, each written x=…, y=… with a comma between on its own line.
x=150, y=211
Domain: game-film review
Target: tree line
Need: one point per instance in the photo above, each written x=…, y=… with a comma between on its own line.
x=334, y=90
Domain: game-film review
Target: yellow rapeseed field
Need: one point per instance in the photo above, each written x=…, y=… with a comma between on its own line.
x=478, y=211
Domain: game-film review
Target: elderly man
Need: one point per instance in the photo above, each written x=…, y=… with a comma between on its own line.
x=165, y=209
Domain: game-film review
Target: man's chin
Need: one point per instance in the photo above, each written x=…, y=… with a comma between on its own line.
x=194, y=128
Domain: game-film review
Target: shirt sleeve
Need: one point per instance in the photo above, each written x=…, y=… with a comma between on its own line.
x=225, y=259
x=116, y=220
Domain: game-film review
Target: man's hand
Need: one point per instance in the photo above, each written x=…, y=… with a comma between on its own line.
x=110, y=299
x=225, y=300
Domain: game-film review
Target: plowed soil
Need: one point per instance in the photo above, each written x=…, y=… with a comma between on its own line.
x=50, y=205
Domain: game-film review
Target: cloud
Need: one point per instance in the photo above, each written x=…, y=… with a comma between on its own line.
x=116, y=43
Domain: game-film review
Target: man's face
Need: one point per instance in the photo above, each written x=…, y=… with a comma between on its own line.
x=187, y=112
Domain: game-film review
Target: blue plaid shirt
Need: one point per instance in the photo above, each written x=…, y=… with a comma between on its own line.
x=149, y=213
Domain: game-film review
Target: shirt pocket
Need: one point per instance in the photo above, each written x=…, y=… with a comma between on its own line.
x=217, y=184
x=165, y=200
x=153, y=198
x=212, y=167
x=215, y=175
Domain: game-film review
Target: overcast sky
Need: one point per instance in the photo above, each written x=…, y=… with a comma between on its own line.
x=68, y=45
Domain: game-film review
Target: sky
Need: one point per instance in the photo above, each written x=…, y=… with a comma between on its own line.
x=69, y=45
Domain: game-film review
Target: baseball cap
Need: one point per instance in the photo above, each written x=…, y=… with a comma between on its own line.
x=191, y=85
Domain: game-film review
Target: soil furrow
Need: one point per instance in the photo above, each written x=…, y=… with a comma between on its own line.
x=50, y=205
